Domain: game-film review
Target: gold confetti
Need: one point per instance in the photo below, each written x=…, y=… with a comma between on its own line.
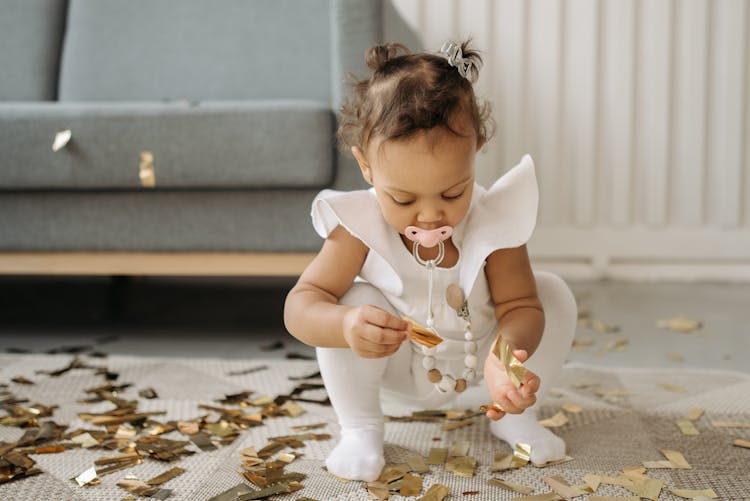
x=694, y=493
x=87, y=477
x=575, y=409
x=731, y=424
x=592, y=481
x=649, y=488
x=85, y=439
x=411, y=485
x=146, y=170
x=436, y=492
x=457, y=424
x=559, y=419
x=674, y=460
x=460, y=448
x=166, y=476
x=423, y=335
x=553, y=463
x=614, y=498
x=598, y=326
x=614, y=393
x=293, y=409
x=673, y=388
x=504, y=484
x=562, y=487
x=461, y=466
x=62, y=138
x=680, y=324
x=437, y=455
x=687, y=427
x=417, y=464
x=619, y=344
x=513, y=367
x=694, y=414
x=675, y=357
x=742, y=443
x=548, y=496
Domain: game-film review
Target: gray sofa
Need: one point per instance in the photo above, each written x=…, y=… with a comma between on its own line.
x=236, y=100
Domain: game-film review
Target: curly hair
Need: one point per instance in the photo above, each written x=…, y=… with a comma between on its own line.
x=411, y=92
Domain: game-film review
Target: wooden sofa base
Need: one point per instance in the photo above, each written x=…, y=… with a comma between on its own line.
x=155, y=263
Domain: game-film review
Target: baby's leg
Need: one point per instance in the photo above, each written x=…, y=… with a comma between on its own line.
x=353, y=385
x=560, y=323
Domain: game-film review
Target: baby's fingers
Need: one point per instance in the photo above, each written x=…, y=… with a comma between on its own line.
x=381, y=318
x=530, y=384
x=520, y=401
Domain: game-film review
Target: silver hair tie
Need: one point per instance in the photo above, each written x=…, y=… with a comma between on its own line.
x=452, y=51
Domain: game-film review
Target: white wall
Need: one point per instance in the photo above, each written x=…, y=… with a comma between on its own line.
x=637, y=113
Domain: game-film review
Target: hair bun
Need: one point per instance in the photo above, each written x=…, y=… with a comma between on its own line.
x=378, y=55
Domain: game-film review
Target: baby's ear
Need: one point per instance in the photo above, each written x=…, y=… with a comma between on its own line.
x=364, y=165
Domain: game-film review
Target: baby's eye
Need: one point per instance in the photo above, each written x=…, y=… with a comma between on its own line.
x=453, y=197
x=401, y=202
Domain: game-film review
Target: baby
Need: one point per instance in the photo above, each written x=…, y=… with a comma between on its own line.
x=426, y=243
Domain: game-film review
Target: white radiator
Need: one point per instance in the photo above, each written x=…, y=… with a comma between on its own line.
x=637, y=113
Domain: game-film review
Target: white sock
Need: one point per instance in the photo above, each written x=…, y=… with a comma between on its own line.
x=359, y=454
x=524, y=428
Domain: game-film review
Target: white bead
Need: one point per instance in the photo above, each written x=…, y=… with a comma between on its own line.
x=470, y=347
x=468, y=335
x=446, y=384
x=469, y=374
x=470, y=361
x=428, y=363
x=430, y=322
x=428, y=352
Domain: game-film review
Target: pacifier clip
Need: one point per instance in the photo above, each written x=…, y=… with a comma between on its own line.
x=444, y=383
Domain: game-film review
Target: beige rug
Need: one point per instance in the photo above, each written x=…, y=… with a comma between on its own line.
x=606, y=436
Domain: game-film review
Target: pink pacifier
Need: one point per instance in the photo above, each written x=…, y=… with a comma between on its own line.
x=428, y=238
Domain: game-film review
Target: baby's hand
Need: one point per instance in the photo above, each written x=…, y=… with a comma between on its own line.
x=372, y=332
x=502, y=390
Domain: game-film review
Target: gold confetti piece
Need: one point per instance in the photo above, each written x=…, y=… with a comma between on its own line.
x=436, y=492
x=166, y=476
x=687, y=427
x=308, y=427
x=584, y=384
x=559, y=419
x=437, y=455
x=411, y=485
x=293, y=409
x=423, y=335
x=261, y=401
x=598, y=325
x=86, y=477
x=232, y=494
x=85, y=439
x=461, y=466
x=146, y=170
x=742, y=443
x=504, y=484
x=649, y=488
x=671, y=387
x=619, y=344
x=676, y=458
x=731, y=424
x=622, y=480
x=562, y=487
x=675, y=357
x=579, y=342
x=457, y=424
x=548, y=496
x=694, y=414
x=22, y=380
x=378, y=490
x=694, y=493
x=62, y=138
x=575, y=409
x=680, y=324
x=614, y=498
x=417, y=464
x=513, y=367
x=592, y=481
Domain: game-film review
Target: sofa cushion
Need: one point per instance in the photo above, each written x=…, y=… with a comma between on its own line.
x=31, y=33
x=259, y=221
x=196, y=49
x=247, y=144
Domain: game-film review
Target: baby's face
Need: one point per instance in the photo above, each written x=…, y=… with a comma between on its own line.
x=424, y=181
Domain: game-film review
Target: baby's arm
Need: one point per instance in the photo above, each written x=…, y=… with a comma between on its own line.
x=312, y=313
x=520, y=320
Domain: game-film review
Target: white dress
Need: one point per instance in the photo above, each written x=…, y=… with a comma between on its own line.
x=502, y=216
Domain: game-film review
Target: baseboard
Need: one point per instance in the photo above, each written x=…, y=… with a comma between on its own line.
x=155, y=263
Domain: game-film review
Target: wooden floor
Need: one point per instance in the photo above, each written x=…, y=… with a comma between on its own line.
x=154, y=263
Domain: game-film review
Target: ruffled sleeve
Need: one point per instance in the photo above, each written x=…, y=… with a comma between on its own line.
x=503, y=217
x=359, y=213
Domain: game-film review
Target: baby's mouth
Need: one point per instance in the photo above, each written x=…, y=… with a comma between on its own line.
x=428, y=238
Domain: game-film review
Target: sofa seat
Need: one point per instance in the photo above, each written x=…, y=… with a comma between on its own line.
x=208, y=145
